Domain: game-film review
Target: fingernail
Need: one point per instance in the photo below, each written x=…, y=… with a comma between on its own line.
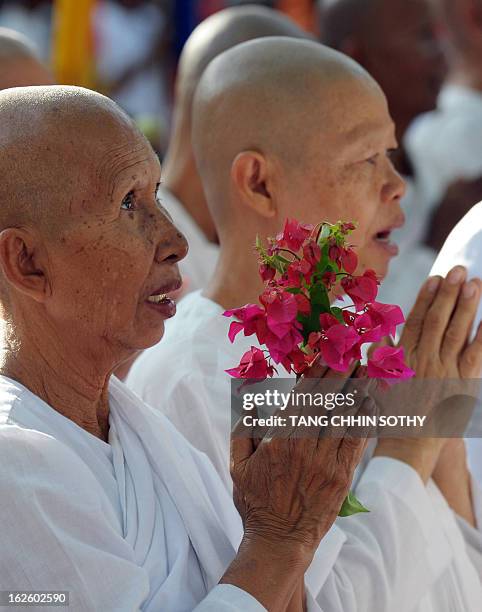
x=469, y=290
x=455, y=276
x=432, y=284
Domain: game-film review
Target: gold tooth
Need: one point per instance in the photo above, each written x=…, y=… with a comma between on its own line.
x=156, y=299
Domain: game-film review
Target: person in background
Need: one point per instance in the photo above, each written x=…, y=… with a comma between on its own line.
x=446, y=143
x=288, y=128
x=33, y=19
x=396, y=43
x=181, y=192
x=19, y=64
x=130, y=62
x=463, y=247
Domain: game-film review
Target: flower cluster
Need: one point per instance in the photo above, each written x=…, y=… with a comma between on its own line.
x=305, y=269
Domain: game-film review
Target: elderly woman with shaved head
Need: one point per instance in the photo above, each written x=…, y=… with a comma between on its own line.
x=100, y=497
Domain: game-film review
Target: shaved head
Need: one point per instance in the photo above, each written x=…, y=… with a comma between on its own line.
x=216, y=34
x=265, y=95
x=222, y=31
x=19, y=64
x=14, y=45
x=47, y=137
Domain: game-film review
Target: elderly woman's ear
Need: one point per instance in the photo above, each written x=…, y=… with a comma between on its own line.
x=22, y=263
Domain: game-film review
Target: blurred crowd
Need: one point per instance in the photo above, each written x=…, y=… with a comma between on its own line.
x=425, y=54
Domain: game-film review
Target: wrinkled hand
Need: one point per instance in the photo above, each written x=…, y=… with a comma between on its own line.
x=290, y=489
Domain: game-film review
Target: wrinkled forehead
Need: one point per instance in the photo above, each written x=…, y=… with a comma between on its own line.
x=105, y=153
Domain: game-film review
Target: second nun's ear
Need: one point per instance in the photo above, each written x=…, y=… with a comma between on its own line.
x=251, y=178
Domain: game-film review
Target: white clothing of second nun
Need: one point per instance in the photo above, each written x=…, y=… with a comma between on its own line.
x=378, y=566
x=199, y=264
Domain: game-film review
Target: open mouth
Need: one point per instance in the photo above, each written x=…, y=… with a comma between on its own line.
x=383, y=237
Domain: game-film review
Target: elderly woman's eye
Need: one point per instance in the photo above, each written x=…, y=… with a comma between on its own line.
x=372, y=160
x=128, y=202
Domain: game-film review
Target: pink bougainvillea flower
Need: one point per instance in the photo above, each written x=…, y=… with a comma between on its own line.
x=327, y=320
x=349, y=260
x=368, y=327
x=329, y=279
x=294, y=234
x=253, y=364
x=387, y=316
x=340, y=347
x=361, y=289
x=295, y=361
x=304, y=304
x=344, y=258
x=250, y=317
x=334, y=253
x=281, y=310
x=312, y=253
x=347, y=227
x=280, y=346
x=387, y=363
x=266, y=272
x=299, y=271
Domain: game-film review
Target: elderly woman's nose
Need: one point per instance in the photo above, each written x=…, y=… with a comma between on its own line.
x=172, y=248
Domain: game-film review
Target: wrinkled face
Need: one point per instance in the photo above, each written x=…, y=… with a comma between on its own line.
x=115, y=247
x=403, y=54
x=344, y=172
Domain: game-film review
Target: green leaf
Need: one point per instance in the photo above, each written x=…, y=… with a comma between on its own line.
x=338, y=314
x=351, y=505
x=319, y=297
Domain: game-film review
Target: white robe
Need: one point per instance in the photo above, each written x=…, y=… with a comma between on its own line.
x=378, y=567
x=464, y=247
x=446, y=144
x=141, y=523
x=199, y=264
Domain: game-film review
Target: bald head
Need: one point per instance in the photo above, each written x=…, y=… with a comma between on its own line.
x=222, y=31
x=19, y=64
x=52, y=141
x=269, y=95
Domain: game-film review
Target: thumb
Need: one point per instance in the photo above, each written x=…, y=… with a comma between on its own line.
x=242, y=445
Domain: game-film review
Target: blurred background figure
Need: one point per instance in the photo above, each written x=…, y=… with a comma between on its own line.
x=447, y=143
x=396, y=41
x=33, y=19
x=19, y=64
x=131, y=47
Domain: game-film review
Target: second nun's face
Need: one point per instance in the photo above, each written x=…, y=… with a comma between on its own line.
x=346, y=173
